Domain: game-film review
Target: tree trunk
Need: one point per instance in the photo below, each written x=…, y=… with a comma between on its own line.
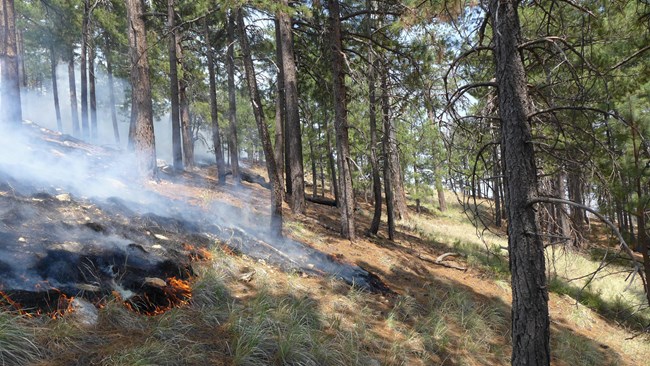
x=185, y=118
x=279, y=135
x=92, y=94
x=141, y=110
x=284, y=165
x=331, y=164
x=214, y=114
x=9, y=67
x=177, y=154
x=374, y=163
x=530, y=318
x=292, y=131
x=438, y=160
x=232, y=101
x=55, y=89
x=313, y=169
x=73, y=96
x=388, y=162
x=496, y=171
x=346, y=203
x=111, y=90
x=83, y=70
x=258, y=111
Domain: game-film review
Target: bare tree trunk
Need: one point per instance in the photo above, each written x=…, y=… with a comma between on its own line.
x=20, y=46
x=496, y=171
x=9, y=67
x=346, y=204
x=313, y=169
x=141, y=109
x=276, y=192
x=92, y=94
x=177, y=154
x=279, y=136
x=83, y=70
x=292, y=130
x=284, y=165
x=55, y=89
x=185, y=118
x=332, y=165
x=530, y=318
x=388, y=162
x=214, y=115
x=76, y=131
x=111, y=89
x=232, y=101
x=374, y=163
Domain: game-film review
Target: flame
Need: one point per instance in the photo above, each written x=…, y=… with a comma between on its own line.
x=197, y=254
x=177, y=292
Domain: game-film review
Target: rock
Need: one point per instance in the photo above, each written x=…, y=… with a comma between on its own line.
x=160, y=237
x=83, y=312
x=87, y=287
x=247, y=277
x=63, y=197
x=155, y=282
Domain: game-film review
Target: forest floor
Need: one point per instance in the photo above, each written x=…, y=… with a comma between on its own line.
x=244, y=311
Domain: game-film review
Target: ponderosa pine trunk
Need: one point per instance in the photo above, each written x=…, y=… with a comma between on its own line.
x=346, y=204
x=111, y=90
x=177, y=154
x=83, y=70
x=12, y=113
x=72, y=84
x=141, y=109
x=388, y=162
x=92, y=93
x=233, y=148
x=374, y=161
x=258, y=111
x=530, y=318
x=331, y=163
x=281, y=148
x=214, y=114
x=187, y=137
x=292, y=131
x=55, y=89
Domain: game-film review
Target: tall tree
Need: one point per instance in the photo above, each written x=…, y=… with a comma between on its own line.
x=530, y=318
x=346, y=193
x=292, y=130
x=83, y=68
x=214, y=115
x=9, y=66
x=258, y=111
x=55, y=88
x=141, y=107
x=177, y=155
x=72, y=85
x=233, y=148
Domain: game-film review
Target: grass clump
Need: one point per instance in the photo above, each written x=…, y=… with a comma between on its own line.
x=17, y=345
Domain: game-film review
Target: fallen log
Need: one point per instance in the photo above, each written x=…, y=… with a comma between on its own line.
x=252, y=178
x=440, y=260
x=321, y=200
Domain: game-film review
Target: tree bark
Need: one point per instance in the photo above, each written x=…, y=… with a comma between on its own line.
x=232, y=101
x=374, y=163
x=346, y=203
x=292, y=131
x=331, y=164
x=83, y=70
x=111, y=90
x=282, y=148
x=258, y=111
x=92, y=94
x=76, y=131
x=9, y=67
x=530, y=318
x=388, y=162
x=177, y=154
x=185, y=118
x=214, y=115
x=141, y=110
x=55, y=89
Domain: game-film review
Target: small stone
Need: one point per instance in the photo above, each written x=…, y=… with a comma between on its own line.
x=155, y=282
x=156, y=246
x=84, y=312
x=22, y=240
x=160, y=237
x=63, y=197
x=310, y=266
x=247, y=277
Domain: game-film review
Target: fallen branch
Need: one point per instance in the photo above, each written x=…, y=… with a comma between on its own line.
x=440, y=260
x=321, y=200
